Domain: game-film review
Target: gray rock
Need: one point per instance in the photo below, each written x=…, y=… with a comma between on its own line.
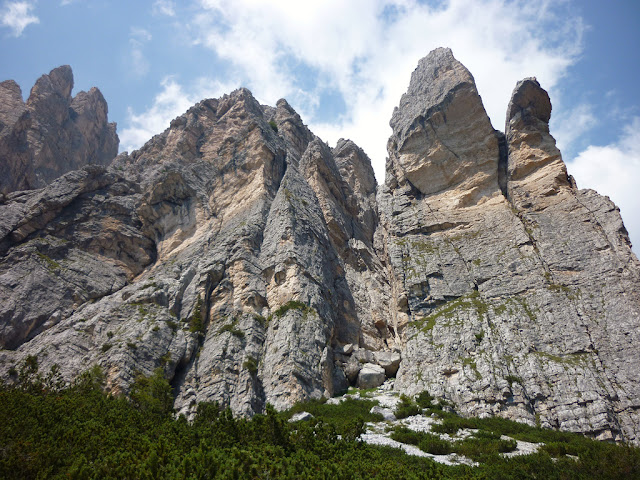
x=256, y=265
x=390, y=361
x=387, y=413
x=300, y=417
x=352, y=369
x=502, y=275
x=347, y=349
x=370, y=376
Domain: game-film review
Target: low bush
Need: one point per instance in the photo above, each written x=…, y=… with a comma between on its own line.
x=406, y=408
x=50, y=431
x=435, y=445
x=424, y=399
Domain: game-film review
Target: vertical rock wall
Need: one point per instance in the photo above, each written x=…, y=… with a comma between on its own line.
x=254, y=264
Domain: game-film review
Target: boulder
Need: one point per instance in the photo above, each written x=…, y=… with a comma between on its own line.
x=370, y=376
x=300, y=417
x=390, y=361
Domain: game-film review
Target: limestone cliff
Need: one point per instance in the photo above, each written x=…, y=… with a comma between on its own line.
x=52, y=133
x=255, y=264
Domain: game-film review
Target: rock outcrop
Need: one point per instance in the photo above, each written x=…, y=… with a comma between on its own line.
x=254, y=264
x=52, y=133
x=510, y=297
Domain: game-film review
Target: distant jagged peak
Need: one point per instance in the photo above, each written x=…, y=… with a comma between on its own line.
x=52, y=133
x=58, y=81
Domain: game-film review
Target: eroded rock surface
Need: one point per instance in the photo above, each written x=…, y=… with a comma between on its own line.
x=52, y=133
x=254, y=264
x=507, y=301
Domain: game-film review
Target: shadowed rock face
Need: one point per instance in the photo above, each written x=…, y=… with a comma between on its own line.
x=52, y=133
x=256, y=265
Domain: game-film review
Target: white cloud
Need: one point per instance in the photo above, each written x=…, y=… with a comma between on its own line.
x=367, y=49
x=139, y=64
x=171, y=102
x=164, y=7
x=614, y=170
x=17, y=16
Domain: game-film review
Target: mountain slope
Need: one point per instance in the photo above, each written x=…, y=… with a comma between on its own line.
x=256, y=265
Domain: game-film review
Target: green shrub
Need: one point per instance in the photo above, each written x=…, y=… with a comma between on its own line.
x=513, y=379
x=251, y=365
x=165, y=359
x=292, y=305
x=435, y=445
x=341, y=416
x=105, y=347
x=196, y=323
x=79, y=432
x=406, y=435
x=406, y=408
x=172, y=325
x=482, y=448
x=231, y=328
x=424, y=399
x=152, y=394
x=261, y=320
x=273, y=125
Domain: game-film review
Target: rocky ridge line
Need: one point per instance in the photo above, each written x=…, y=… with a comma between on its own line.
x=52, y=133
x=254, y=264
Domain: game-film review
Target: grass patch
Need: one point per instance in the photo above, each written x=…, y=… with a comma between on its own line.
x=292, y=305
x=231, y=328
x=51, y=264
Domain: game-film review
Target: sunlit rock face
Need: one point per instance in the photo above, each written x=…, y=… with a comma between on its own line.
x=515, y=293
x=254, y=264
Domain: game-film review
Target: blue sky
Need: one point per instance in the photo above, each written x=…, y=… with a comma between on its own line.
x=343, y=65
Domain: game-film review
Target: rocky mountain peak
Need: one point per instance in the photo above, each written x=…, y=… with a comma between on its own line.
x=443, y=143
x=58, y=82
x=535, y=168
x=52, y=133
x=254, y=264
x=11, y=104
x=529, y=101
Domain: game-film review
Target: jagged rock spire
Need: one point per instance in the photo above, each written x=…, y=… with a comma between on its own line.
x=52, y=133
x=443, y=141
x=535, y=168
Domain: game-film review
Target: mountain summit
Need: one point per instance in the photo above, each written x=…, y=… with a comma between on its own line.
x=255, y=264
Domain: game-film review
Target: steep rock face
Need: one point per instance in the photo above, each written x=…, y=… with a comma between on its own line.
x=254, y=264
x=507, y=303
x=227, y=257
x=52, y=133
